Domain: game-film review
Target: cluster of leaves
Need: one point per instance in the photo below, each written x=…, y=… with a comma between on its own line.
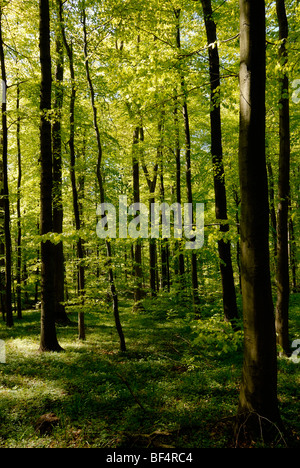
x=136, y=68
x=214, y=333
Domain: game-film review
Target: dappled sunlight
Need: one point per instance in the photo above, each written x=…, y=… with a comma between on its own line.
x=171, y=379
x=148, y=217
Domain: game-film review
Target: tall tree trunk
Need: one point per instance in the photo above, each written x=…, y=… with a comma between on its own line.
x=48, y=331
x=8, y=285
x=153, y=256
x=293, y=254
x=2, y=242
x=188, y=173
x=195, y=283
x=138, y=270
x=181, y=266
x=101, y=189
x=152, y=242
x=224, y=248
x=19, y=227
x=76, y=209
x=283, y=284
x=258, y=392
x=165, y=258
x=59, y=268
x=237, y=201
x=273, y=219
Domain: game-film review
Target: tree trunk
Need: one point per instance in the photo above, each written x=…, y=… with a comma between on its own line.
x=101, y=189
x=59, y=268
x=2, y=242
x=138, y=270
x=195, y=283
x=258, y=394
x=80, y=249
x=152, y=242
x=237, y=201
x=181, y=266
x=188, y=172
x=19, y=227
x=293, y=254
x=48, y=331
x=283, y=284
x=165, y=257
x=273, y=219
x=8, y=285
x=224, y=248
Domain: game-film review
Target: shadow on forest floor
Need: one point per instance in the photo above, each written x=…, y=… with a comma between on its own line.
x=177, y=386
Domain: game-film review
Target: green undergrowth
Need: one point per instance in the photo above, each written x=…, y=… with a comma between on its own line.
x=176, y=386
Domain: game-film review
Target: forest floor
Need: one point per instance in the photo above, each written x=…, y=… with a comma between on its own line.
x=177, y=386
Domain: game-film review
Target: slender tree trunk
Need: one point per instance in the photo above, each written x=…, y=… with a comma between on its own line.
x=80, y=249
x=37, y=274
x=293, y=254
x=237, y=200
x=258, y=405
x=195, y=283
x=152, y=243
x=153, y=256
x=59, y=268
x=181, y=266
x=8, y=285
x=48, y=331
x=224, y=248
x=272, y=207
x=138, y=270
x=101, y=189
x=188, y=173
x=19, y=227
x=2, y=243
x=283, y=283
x=165, y=259
x=78, y=184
